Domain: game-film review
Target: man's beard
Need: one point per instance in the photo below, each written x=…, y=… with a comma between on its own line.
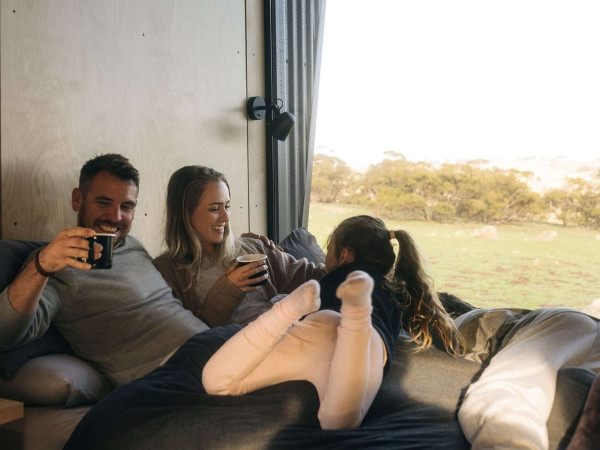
x=120, y=240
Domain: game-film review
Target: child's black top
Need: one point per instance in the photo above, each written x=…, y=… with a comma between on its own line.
x=387, y=313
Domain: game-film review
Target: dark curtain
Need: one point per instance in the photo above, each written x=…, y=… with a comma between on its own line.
x=293, y=42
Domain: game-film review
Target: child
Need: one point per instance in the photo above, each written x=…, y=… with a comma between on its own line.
x=344, y=347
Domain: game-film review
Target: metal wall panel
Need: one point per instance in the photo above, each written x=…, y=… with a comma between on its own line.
x=293, y=41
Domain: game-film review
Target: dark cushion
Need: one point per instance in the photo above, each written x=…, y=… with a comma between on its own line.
x=51, y=342
x=169, y=408
x=453, y=305
x=415, y=408
x=12, y=254
x=300, y=243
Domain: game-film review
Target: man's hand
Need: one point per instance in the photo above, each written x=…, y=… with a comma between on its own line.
x=25, y=290
x=68, y=249
x=268, y=242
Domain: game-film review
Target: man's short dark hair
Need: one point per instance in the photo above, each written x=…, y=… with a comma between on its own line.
x=113, y=163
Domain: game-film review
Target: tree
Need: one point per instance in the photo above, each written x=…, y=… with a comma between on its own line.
x=471, y=208
x=398, y=188
x=562, y=205
x=332, y=179
x=576, y=204
x=443, y=212
x=586, y=198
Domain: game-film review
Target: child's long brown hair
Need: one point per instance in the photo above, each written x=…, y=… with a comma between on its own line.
x=369, y=240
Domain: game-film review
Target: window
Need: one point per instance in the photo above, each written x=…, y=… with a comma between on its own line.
x=504, y=86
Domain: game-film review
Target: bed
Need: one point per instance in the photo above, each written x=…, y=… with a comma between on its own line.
x=416, y=406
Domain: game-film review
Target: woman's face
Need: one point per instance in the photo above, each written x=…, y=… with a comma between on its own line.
x=211, y=215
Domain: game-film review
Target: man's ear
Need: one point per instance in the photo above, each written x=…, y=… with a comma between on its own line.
x=76, y=199
x=346, y=257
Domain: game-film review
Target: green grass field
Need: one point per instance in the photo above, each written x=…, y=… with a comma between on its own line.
x=516, y=269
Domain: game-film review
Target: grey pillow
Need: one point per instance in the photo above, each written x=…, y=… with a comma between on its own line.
x=56, y=380
x=300, y=243
x=51, y=342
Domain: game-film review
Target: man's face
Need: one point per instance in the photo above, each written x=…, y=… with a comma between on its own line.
x=108, y=206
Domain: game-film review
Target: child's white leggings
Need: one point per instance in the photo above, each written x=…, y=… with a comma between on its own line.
x=342, y=355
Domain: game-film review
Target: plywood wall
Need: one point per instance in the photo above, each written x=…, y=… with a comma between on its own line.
x=164, y=82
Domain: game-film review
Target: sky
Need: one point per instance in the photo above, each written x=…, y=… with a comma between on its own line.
x=440, y=80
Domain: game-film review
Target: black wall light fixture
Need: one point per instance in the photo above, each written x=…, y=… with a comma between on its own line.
x=282, y=123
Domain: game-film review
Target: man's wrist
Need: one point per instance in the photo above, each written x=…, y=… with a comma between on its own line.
x=39, y=267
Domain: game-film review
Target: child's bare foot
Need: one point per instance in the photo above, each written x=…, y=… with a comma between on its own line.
x=356, y=290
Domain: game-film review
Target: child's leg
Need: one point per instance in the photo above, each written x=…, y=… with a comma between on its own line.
x=357, y=365
x=227, y=370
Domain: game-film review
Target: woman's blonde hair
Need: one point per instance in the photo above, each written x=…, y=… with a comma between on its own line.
x=370, y=243
x=184, y=247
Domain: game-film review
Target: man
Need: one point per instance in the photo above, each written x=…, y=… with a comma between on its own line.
x=124, y=320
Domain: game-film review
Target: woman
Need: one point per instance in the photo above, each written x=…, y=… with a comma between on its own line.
x=199, y=263
x=345, y=347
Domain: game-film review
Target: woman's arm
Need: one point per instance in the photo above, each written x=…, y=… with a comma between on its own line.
x=288, y=273
x=222, y=299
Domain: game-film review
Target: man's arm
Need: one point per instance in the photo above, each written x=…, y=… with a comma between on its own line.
x=25, y=291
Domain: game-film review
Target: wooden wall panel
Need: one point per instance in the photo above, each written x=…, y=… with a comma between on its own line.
x=160, y=81
x=257, y=163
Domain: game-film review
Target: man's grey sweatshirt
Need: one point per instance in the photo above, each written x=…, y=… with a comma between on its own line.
x=123, y=320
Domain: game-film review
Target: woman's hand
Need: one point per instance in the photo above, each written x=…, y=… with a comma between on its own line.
x=240, y=275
